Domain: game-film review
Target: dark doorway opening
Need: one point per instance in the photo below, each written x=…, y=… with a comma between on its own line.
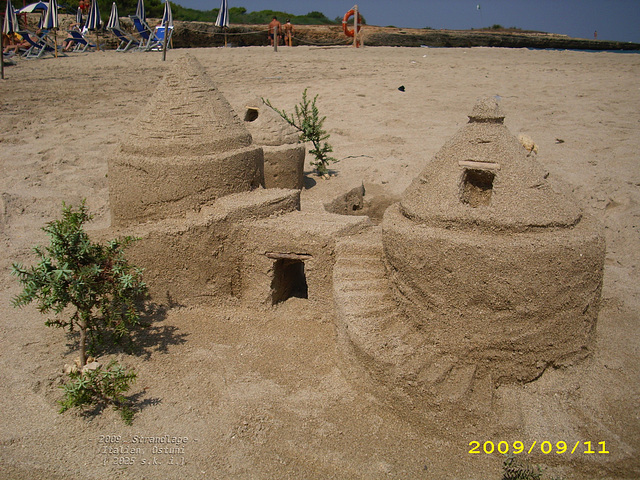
x=289, y=280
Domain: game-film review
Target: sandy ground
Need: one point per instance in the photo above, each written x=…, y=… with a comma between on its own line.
x=268, y=394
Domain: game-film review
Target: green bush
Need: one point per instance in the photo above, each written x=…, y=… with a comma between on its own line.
x=100, y=387
x=308, y=122
x=95, y=280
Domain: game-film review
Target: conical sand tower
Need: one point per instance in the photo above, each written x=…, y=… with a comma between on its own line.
x=492, y=265
x=187, y=147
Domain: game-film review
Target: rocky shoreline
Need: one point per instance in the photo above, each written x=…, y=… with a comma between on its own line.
x=202, y=34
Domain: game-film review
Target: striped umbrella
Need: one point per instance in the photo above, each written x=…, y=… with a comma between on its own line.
x=223, y=19
x=223, y=15
x=79, y=17
x=10, y=20
x=114, y=20
x=10, y=24
x=94, y=20
x=140, y=11
x=32, y=7
x=50, y=22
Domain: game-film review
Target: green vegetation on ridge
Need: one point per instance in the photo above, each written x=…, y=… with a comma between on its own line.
x=237, y=15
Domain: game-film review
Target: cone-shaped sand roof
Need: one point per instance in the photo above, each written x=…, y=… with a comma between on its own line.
x=186, y=116
x=482, y=177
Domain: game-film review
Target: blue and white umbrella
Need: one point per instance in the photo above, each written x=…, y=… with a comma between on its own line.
x=50, y=21
x=32, y=7
x=10, y=23
x=140, y=11
x=79, y=17
x=167, y=16
x=93, y=19
x=223, y=15
x=114, y=20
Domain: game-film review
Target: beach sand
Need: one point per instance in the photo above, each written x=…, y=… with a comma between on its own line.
x=268, y=394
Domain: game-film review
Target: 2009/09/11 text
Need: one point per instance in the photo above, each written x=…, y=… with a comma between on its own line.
x=546, y=447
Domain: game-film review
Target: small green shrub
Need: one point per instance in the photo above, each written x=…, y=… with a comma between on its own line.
x=308, y=122
x=100, y=387
x=95, y=280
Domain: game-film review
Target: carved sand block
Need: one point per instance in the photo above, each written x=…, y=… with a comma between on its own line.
x=283, y=152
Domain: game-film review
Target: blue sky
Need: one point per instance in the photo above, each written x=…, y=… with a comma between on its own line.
x=613, y=19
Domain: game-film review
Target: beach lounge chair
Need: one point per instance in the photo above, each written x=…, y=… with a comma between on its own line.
x=126, y=41
x=147, y=36
x=81, y=43
x=40, y=44
x=159, y=44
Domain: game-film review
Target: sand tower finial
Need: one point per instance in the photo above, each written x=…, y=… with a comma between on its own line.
x=186, y=148
x=487, y=109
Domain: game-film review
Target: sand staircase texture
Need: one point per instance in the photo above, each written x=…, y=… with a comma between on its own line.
x=394, y=354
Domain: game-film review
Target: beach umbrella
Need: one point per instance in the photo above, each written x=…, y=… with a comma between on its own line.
x=50, y=22
x=114, y=20
x=223, y=15
x=94, y=20
x=223, y=18
x=33, y=7
x=140, y=11
x=167, y=21
x=9, y=25
x=79, y=17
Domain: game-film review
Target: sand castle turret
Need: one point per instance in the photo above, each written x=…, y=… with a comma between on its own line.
x=280, y=142
x=187, y=147
x=493, y=265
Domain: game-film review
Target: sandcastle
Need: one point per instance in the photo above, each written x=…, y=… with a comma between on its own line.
x=493, y=273
x=483, y=274
x=189, y=182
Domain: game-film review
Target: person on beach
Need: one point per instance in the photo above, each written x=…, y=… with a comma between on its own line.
x=272, y=26
x=288, y=31
x=69, y=43
x=13, y=43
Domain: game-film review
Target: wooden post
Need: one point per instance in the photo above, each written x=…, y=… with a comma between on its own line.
x=2, y=66
x=164, y=42
x=275, y=38
x=355, y=26
x=2, y=48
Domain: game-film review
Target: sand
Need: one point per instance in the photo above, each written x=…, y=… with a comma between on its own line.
x=268, y=394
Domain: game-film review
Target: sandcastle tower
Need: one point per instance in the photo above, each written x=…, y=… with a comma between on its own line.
x=187, y=147
x=483, y=274
x=280, y=142
x=496, y=266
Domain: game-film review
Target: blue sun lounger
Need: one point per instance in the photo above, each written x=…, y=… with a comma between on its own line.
x=81, y=42
x=126, y=41
x=39, y=44
x=148, y=37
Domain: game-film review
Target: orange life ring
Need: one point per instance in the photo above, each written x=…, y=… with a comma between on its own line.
x=345, y=19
